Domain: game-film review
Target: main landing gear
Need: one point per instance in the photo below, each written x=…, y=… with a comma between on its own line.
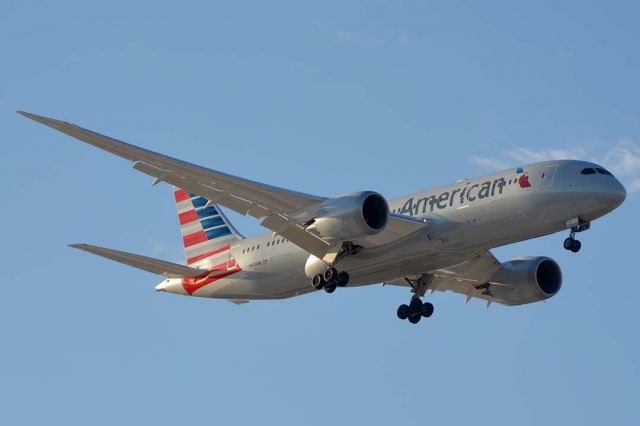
x=416, y=309
x=570, y=243
x=330, y=280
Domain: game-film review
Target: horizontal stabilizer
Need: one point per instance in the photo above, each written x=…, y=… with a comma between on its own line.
x=149, y=264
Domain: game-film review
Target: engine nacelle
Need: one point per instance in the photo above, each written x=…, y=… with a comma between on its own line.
x=351, y=216
x=527, y=280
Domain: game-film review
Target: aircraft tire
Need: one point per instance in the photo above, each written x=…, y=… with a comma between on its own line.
x=427, y=309
x=318, y=282
x=415, y=306
x=342, y=279
x=568, y=243
x=414, y=319
x=576, y=246
x=330, y=274
x=330, y=287
x=403, y=311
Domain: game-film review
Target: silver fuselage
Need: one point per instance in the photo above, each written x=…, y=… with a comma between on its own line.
x=463, y=219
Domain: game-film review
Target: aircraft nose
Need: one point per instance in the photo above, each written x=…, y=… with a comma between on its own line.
x=617, y=194
x=612, y=194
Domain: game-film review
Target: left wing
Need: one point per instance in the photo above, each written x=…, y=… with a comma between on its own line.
x=470, y=278
x=276, y=207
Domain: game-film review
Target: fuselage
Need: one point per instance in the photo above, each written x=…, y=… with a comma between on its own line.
x=463, y=219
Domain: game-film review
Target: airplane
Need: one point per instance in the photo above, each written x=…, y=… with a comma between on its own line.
x=436, y=240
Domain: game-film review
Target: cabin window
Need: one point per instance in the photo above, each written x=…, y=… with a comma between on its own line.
x=588, y=171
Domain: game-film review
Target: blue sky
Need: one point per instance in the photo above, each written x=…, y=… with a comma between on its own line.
x=324, y=98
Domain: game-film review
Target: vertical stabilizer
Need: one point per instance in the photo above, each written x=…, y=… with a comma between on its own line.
x=206, y=232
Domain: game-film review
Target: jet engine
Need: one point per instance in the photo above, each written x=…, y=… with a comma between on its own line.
x=526, y=280
x=351, y=216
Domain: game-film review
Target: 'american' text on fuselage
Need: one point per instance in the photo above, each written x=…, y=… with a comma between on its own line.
x=463, y=195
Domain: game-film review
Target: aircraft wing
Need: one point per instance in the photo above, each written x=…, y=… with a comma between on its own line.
x=149, y=264
x=276, y=207
x=469, y=278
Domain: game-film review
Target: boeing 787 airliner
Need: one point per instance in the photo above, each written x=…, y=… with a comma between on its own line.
x=433, y=240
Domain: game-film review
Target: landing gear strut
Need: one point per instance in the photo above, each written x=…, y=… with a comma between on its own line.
x=330, y=280
x=416, y=309
x=570, y=243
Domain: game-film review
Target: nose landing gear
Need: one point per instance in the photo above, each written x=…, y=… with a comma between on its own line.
x=570, y=243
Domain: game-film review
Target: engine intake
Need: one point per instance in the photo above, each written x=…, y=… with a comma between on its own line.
x=351, y=216
x=527, y=280
x=375, y=211
x=549, y=277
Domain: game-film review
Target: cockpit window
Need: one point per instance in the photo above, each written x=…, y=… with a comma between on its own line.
x=588, y=171
x=603, y=171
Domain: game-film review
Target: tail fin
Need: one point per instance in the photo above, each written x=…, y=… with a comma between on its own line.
x=206, y=231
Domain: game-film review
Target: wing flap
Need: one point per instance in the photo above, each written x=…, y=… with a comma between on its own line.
x=149, y=264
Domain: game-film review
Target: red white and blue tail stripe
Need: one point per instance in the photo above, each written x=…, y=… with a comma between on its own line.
x=206, y=232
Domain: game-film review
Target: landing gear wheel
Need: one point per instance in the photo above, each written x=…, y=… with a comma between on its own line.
x=342, y=279
x=414, y=319
x=318, y=282
x=403, y=312
x=330, y=287
x=415, y=310
x=415, y=306
x=568, y=243
x=427, y=310
x=330, y=274
x=575, y=246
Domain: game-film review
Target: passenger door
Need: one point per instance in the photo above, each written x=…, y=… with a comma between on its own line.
x=546, y=178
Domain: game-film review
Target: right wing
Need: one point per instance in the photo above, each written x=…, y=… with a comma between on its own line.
x=149, y=264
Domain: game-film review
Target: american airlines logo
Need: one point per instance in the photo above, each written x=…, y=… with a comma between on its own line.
x=460, y=196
